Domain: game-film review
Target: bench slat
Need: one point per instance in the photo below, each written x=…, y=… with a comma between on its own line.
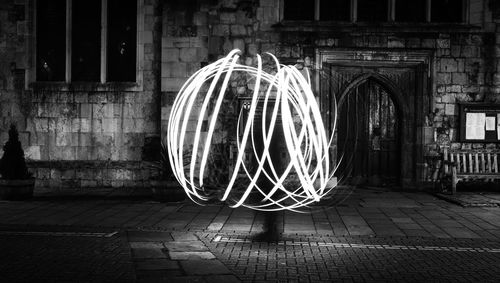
x=495, y=163
x=489, y=162
x=476, y=161
x=483, y=167
x=464, y=163
x=470, y=162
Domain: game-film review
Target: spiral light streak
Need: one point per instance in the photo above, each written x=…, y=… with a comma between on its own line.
x=287, y=101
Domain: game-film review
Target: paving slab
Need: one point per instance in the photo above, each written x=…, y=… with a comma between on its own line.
x=221, y=278
x=148, y=253
x=183, y=236
x=204, y=267
x=156, y=264
x=146, y=245
x=190, y=255
x=196, y=246
x=149, y=236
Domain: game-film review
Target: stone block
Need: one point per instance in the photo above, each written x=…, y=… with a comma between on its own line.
x=449, y=109
x=96, y=126
x=147, y=36
x=239, y=44
x=202, y=56
x=110, y=125
x=227, y=17
x=238, y=30
x=172, y=84
x=448, y=98
x=81, y=97
x=85, y=125
x=413, y=42
x=454, y=88
x=448, y=65
x=221, y=30
x=443, y=78
x=63, y=139
x=459, y=78
x=443, y=43
x=455, y=51
x=41, y=125
x=85, y=110
x=395, y=42
x=470, y=51
x=200, y=18
x=428, y=43
x=32, y=152
x=170, y=55
x=188, y=54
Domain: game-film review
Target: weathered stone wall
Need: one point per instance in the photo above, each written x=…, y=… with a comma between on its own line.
x=464, y=64
x=86, y=136
x=13, y=105
x=76, y=135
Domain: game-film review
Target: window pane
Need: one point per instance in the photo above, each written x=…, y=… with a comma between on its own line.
x=335, y=10
x=410, y=11
x=86, y=37
x=446, y=11
x=299, y=9
x=372, y=10
x=51, y=40
x=122, y=18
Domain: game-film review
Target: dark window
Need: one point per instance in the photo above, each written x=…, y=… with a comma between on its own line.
x=372, y=10
x=299, y=10
x=86, y=41
x=122, y=18
x=410, y=11
x=51, y=40
x=446, y=11
x=335, y=10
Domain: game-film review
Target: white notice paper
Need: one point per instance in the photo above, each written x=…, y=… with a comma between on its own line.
x=474, y=126
x=498, y=126
x=490, y=123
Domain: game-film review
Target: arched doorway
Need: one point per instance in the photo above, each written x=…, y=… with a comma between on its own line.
x=368, y=134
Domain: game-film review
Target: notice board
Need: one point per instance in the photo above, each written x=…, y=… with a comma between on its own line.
x=479, y=122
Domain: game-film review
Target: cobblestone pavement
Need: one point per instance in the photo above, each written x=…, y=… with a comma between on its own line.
x=368, y=212
x=40, y=255
x=371, y=236
x=357, y=259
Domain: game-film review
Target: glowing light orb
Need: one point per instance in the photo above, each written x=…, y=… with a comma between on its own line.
x=286, y=94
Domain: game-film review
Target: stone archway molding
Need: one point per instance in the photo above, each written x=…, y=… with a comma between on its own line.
x=411, y=109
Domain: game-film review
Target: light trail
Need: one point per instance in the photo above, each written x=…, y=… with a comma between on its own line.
x=288, y=95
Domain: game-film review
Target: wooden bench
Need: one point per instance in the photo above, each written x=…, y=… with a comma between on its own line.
x=462, y=165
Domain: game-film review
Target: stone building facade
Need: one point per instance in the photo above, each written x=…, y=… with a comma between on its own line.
x=99, y=132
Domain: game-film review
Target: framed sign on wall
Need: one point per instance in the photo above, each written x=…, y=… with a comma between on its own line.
x=480, y=122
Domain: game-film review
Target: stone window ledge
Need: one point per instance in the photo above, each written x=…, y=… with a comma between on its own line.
x=315, y=26
x=85, y=86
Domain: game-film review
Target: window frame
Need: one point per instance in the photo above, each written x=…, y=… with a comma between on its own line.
x=391, y=15
x=103, y=84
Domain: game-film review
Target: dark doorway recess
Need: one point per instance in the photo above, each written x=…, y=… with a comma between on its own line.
x=368, y=136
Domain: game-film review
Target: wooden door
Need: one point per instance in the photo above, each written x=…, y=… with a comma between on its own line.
x=368, y=137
